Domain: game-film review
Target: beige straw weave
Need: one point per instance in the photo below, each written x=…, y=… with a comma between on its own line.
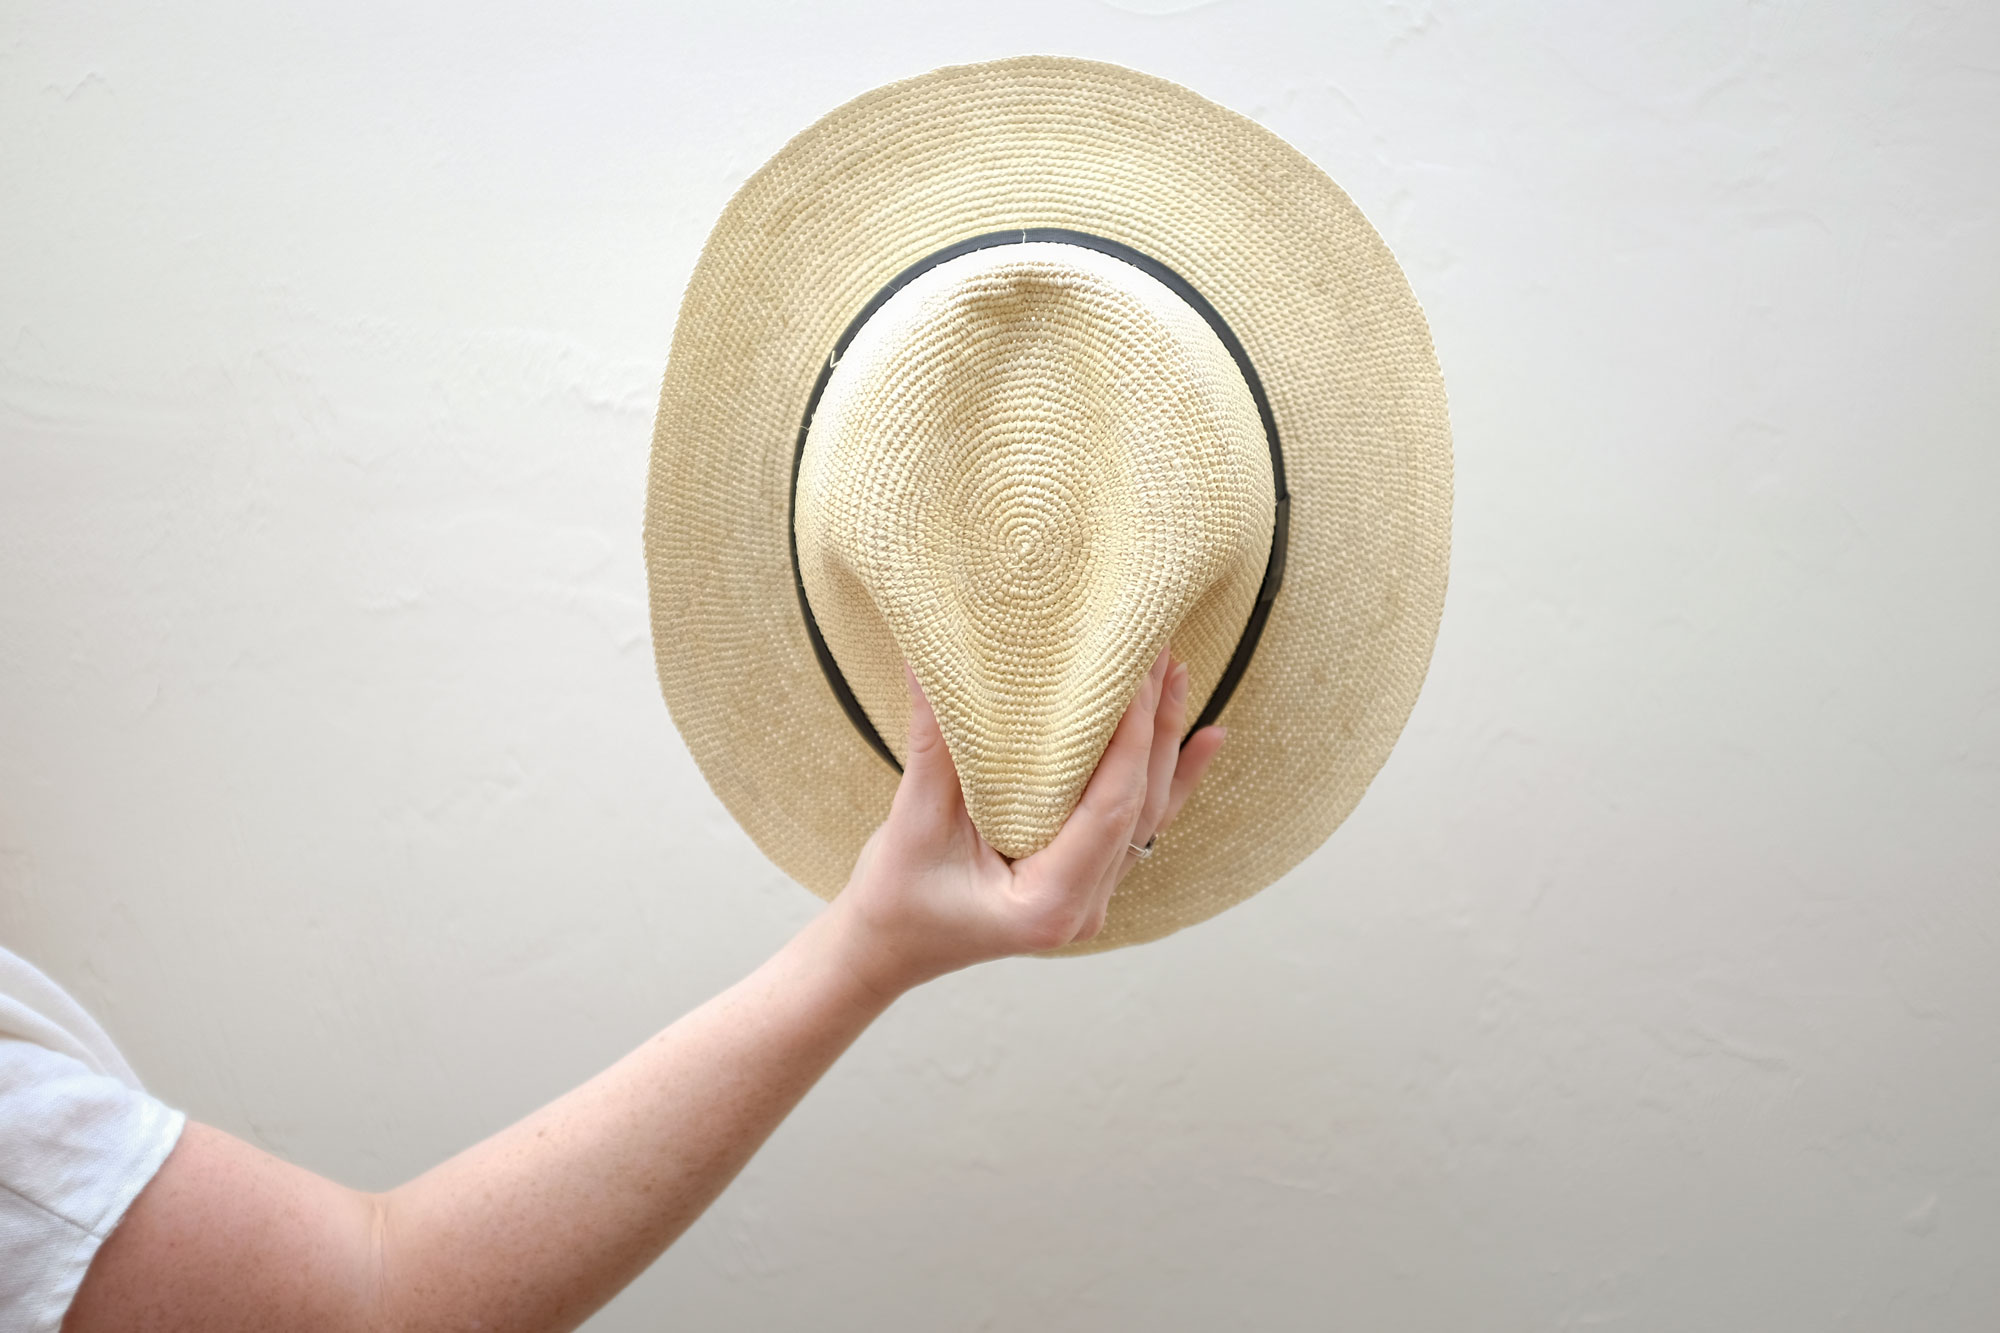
x=1035, y=464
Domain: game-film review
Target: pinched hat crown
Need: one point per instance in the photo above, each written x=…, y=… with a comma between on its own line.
x=1032, y=468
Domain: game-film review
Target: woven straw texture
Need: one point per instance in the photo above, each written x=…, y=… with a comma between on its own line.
x=1320, y=306
x=1033, y=467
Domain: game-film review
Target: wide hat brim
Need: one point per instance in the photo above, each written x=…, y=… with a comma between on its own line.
x=1320, y=306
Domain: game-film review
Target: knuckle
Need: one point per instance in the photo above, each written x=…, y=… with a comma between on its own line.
x=1092, y=925
x=1121, y=804
x=1046, y=918
x=1049, y=931
x=1127, y=807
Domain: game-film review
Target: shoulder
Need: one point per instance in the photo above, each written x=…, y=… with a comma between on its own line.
x=83, y=1139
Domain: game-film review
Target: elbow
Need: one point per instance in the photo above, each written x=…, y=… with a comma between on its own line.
x=377, y=1309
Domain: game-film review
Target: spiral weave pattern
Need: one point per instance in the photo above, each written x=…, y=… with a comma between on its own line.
x=1031, y=468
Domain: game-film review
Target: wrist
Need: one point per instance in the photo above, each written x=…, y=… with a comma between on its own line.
x=843, y=949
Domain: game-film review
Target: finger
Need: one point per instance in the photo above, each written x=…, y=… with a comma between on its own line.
x=1196, y=755
x=1167, y=723
x=1193, y=761
x=1100, y=827
x=1168, y=719
x=930, y=779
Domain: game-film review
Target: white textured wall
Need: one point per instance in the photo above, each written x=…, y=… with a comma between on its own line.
x=1653, y=986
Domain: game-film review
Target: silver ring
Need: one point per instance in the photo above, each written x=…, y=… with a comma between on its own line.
x=1143, y=852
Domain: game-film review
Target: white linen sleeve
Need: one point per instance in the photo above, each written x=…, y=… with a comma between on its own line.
x=76, y=1147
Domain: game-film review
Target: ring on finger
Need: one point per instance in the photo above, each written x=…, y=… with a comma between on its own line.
x=1143, y=852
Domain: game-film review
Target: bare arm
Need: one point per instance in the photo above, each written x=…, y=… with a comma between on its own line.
x=541, y=1224
x=532, y=1229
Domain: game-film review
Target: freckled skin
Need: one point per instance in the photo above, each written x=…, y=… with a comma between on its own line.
x=540, y=1225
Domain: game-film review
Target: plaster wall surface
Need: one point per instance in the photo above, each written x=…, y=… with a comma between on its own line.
x=1652, y=986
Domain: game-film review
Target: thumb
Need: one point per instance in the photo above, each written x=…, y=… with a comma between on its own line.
x=929, y=776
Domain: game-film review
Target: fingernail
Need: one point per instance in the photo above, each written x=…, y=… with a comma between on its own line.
x=1222, y=733
x=1178, y=682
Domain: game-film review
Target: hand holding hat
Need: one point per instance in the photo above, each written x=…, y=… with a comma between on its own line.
x=929, y=895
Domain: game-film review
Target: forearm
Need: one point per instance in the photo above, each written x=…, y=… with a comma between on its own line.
x=544, y=1222
x=528, y=1231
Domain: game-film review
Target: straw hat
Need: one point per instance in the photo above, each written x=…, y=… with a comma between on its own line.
x=1019, y=372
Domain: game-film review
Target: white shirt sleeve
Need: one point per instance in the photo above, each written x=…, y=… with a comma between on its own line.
x=79, y=1138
